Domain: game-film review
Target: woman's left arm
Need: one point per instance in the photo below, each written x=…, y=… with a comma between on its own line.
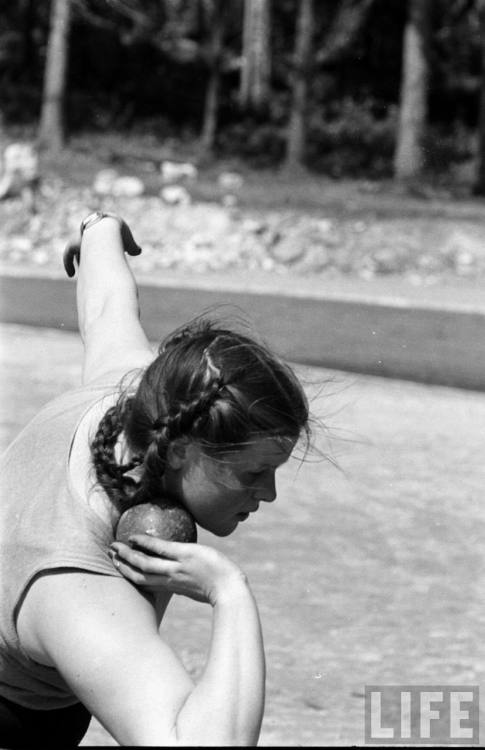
x=107, y=304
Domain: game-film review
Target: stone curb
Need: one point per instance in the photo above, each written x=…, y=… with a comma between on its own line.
x=388, y=329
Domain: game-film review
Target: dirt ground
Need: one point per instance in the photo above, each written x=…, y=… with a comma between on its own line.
x=369, y=572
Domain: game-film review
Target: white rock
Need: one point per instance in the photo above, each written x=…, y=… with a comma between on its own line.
x=173, y=171
x=175, y=195
x=127, y=186
x=202, y=240
x=21, y=244
x=20, y=171
x=40, y=257
x=465, y=258
x=229, y=200
x=230, y=180
x=289, y=249
x=463, y=243
x=253, y=226
x=324, y=225
x=267, y=264
x=104, y=181
x=366, y=273
x=23, y=159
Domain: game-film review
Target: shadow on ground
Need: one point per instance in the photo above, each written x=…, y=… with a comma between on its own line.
x=369, y=573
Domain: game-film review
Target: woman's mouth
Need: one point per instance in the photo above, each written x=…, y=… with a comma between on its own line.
x=242, y=516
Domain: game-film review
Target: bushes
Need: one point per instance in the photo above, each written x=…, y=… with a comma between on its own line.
x=261, y=144
x=352, y=139
x=347, y=139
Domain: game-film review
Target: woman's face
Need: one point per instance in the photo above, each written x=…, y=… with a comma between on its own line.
x=220, y=492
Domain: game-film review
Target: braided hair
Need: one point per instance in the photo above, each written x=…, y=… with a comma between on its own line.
x=209, y=384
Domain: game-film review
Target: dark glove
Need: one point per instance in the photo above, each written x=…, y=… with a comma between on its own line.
x=73, y=249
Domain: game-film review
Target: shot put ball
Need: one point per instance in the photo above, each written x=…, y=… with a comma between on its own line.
x=168, y=521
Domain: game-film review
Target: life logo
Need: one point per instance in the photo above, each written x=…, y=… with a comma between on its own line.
x=422, y=714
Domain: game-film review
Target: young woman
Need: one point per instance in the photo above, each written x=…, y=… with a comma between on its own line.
x=206, y=422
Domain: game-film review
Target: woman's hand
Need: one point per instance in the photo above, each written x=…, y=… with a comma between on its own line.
x=194, y=570
x=72, y=253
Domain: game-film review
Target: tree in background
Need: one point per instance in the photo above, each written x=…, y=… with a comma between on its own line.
x=479, y=187
x=343, y=28
x=215, y=17
x=255, y=83
x=185, y=32
x=346, y=24
x=409, y=159
x=51, y=129
x=295, y=145
x=165, y=65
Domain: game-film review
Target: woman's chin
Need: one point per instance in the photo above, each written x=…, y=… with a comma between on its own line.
x=222, y=531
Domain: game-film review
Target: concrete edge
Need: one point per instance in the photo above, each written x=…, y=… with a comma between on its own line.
x=390, y=335
x=460, y=294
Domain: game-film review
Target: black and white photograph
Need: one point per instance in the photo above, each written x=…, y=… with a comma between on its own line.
x=242, y=373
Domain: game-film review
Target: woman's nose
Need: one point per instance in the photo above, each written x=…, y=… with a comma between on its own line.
x=267, y=491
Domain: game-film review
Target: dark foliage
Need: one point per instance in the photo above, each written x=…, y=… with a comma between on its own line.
x=152, y=66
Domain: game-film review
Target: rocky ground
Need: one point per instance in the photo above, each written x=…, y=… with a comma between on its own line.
x=223, y=220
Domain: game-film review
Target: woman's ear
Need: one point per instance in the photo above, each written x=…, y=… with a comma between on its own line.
x=177, y=453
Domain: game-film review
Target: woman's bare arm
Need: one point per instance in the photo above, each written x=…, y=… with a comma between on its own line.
x=107, y=304
x=101, y=634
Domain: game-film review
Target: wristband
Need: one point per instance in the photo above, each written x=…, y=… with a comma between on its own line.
x=94, y=217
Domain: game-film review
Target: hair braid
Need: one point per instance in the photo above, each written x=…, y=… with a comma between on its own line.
x=167, y=428
x=109, y=473
x=191, y=414
x=153, y=465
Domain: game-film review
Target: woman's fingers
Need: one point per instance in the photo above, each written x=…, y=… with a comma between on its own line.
x=73, y=249
x=155, y=546
x=142, y=570
x=143, y=560
x=70, y=254
x=192, y=570
x=135, y=576
x=129, y=244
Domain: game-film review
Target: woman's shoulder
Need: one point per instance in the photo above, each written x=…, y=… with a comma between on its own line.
x=119, y=365
x=90, y=394
x=120, y=374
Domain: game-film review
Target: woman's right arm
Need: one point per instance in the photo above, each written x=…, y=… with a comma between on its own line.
x=107, y=304
x=101, y=634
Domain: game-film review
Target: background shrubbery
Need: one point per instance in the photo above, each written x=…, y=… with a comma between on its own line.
x=124, y=76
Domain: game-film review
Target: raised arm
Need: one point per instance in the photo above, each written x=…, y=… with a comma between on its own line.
x=101, y=634
x=107, y=304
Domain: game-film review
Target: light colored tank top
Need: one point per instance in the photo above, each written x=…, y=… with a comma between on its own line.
x=44, y=524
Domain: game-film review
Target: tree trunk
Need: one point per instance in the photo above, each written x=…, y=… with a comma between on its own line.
x=209, y=125
x=295, y=147
x=256, y=56
x=479, y=187
x=409, y=154
x=51, y=129
x=347, y=22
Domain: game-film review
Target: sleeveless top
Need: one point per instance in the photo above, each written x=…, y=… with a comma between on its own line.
x=44, y=524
